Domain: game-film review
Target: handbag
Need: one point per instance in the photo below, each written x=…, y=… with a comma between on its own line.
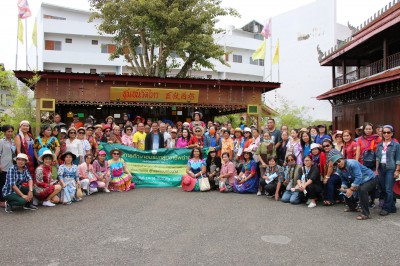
x=204, y=184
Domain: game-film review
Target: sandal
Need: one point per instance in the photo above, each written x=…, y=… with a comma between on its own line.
x=362, y=217
x=328, y=203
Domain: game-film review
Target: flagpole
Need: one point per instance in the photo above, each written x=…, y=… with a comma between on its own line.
x=270, y=31
x=26, y=44
x=16, y=52
x=279, y=59
x=37, y=56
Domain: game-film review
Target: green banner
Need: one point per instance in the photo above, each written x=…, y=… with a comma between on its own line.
x=155, y=168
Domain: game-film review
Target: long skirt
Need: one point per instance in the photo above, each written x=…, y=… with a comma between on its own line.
x=122, y=183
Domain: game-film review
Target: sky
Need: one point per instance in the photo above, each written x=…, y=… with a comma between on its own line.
x=354, y=11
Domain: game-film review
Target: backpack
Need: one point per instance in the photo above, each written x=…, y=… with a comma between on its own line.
x=44, y=147
x=369, y=156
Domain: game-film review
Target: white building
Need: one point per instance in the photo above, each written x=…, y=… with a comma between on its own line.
x=68, y=43
x=300, y=32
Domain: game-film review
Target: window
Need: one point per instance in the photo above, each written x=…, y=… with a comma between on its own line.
x=92, y=71
x=261, y=62
x=68, y=70
x=95, y=42
x=52, y=45
x=253, y=62
x=258, y=36
x=53, y=17
x=68, y=40
x=108, y=48
x=237, y=58
x=209, y=76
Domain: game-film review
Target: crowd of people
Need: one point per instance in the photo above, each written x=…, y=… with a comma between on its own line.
x=66, y=162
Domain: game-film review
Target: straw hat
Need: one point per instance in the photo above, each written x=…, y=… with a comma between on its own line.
x=47, y=152
x=22, y=156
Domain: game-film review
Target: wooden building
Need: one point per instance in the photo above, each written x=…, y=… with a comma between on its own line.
x=368, y=87
x=150, y=97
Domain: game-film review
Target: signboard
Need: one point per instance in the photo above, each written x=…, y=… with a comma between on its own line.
x=137, y=94
x=156, y=168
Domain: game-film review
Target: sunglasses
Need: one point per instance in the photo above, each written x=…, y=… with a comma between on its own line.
x=116, y=153
x=386, y=132
x=107, y=130
x=337, y=162
x=326, y=146
x=291, y=160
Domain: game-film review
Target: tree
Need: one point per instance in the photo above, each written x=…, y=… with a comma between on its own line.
x=147, y=32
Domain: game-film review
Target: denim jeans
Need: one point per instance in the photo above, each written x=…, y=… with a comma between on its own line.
x=331, y=187
x=386, y=182
x=363, y=197
x=290, y=196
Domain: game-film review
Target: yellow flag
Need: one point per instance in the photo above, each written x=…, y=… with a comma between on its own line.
x=20, y=31
x=34, y=34
x=275, y=60
x=260, y=52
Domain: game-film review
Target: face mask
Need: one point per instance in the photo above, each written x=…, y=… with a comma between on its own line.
x=313, y=136
x=267, y=140
x=212, y=131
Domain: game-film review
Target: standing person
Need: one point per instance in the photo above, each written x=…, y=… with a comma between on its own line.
x=76, y=122
x=57, y=121
x=388, y=167
x=154, y=140
x=198, y=139
x=171, y=143
x=68, y=176
x=212, y=139
x=110, y=122
x=195, y=169
x=120, y=177
x=238, y=143
x=116, y=132
x=24, y=143
x=107, y=134
x=98, y=134
x=294, y=146
x=147, y=129
x=265, y=150
x=313, y=133
x=139, y=138
x=86, y=148
x=281, y=149
x=331, y=179
x=163, y=130
x=46, y=142
x=227, y=144
x=319, y=159
x=338, y=141
x=248, y=138
x=100, y=168
x=227, y=174
x=183, y=141
x=18, y=189
x=256, y=141
x=127, y=138
x=349, y=146
x=321, y=134
x=7, y=153
x=366, y=146
x=355, y=177
x=273, y=131
x=74, y=145
x=197, y=116
x=309, y=181
x=247, y=181
x=305, y=140
x=45, y=188
x=213, y=167
x=94, y=147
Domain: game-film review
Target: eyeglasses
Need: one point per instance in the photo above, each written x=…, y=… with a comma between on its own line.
x=291, y=160
x=386, y=132
x=116, y=153
x=72, y=133
x=326, y=146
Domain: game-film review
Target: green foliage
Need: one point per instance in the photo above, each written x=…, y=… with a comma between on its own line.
x=22, y=107
x=185, y=27
x=292, y=115
x=234, y=119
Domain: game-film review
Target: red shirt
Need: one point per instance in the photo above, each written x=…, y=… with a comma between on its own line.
x=195, y=140
x=349, y=150
x=365, y=144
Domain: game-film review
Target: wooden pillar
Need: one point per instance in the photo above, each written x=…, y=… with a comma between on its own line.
x=344, y=71
x=385, y=54
x=333, y=75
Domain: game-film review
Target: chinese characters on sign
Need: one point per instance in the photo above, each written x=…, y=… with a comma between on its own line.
x=135, y=94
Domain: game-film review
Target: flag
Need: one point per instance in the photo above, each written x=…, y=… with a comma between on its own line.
x=20, y=31
x=266, y=31
x=275, y=60
x=260, y=52
x=23, y=9
x=34, y=34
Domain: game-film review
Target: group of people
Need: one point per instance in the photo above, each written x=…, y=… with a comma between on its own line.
x=308, y=165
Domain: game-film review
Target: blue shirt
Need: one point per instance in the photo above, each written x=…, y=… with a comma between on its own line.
x=156, y=141
x=318, y=139
x=354, y=174
x=15, y=178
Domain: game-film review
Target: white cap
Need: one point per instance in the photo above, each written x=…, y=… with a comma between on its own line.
x=247, y=129
x=314, y=145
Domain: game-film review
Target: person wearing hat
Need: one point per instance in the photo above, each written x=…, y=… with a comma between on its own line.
x=18, y=189
x=76, y=122
x=46, y=142
x=100, y=168
x=45, y=188
x=247, y=181
x=74, y=145
x=68, y=176
x=337, y=138
x=357, y=182
x=86, y=147
x=238, y=143
x=321, y=134
x=197, y=116
x=388, y=167
x=138, y=120
x=120, y=177
x=197, y=140
x=171, y=143
x=24, y=143
x=227, y=144
x=7, y=153
x=106, y=133
x=213, y=140
x=248, y=138
x=110, y=121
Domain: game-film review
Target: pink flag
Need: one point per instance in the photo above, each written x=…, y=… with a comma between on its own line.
x=266, y=31
x=23, y=9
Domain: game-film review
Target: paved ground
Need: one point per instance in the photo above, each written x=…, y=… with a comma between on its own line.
x=171, y=227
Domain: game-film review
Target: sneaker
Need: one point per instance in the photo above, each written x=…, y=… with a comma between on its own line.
x=106, y=190
x=383, y=213
x=8, y=208
x=30, y=207
x=259, y=193
x=312, y=205
x=372, y=205
x=35, y=202
x=308, y=202
x=48, y=203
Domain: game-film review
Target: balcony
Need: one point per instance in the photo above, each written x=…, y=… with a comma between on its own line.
x=369, y=70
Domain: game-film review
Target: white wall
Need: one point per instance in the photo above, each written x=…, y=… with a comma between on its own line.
x=301, y=75
x=82, y=68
